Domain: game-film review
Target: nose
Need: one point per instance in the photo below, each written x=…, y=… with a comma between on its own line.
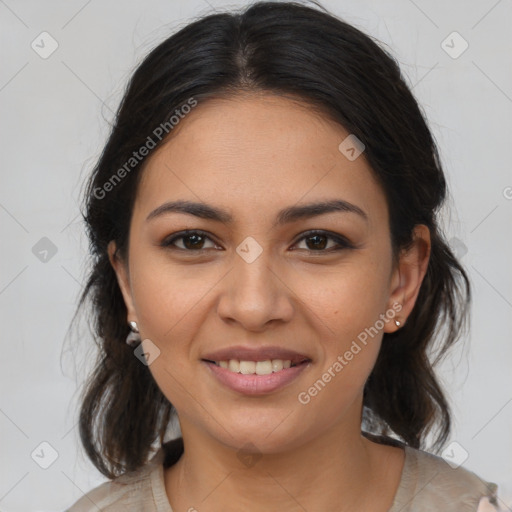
x=255, y=294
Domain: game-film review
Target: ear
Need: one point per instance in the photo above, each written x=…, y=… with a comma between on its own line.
x=408, y=276
x=121, y=270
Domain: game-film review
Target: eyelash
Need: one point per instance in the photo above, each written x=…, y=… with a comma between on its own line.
x=342, y=242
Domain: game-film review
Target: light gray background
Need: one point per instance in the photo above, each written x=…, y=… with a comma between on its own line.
x=54, y=120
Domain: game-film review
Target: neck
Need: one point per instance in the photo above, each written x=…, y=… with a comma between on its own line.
x=333, y=471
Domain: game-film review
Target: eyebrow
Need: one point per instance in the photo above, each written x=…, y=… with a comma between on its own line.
x=284, y=216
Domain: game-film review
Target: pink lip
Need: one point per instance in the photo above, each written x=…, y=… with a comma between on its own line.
x=255, y=354
x=256, y=384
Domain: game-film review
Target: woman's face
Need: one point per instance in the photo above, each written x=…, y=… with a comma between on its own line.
x=257, y=281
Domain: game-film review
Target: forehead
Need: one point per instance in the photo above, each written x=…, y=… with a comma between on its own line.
x=255, y=151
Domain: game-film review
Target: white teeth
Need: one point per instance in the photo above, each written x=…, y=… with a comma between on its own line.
x=234, y=366
x=252, y=367
x=277, y=365
x=263, y=367
x=247, y=367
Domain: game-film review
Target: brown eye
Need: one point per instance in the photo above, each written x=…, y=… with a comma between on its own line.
x=317, y=241
x=191, y=241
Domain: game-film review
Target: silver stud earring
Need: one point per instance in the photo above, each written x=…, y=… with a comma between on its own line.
x=397, y=323
x=133, y=338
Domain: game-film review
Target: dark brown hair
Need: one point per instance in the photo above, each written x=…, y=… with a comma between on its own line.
x=307, y=53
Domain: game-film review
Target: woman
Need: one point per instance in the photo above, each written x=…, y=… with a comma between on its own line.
x=269, y=270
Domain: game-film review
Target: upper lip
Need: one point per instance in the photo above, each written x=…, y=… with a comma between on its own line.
x=255, y=354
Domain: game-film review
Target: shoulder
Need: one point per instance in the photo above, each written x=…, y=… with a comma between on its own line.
x=429, y=482
x=134, y=490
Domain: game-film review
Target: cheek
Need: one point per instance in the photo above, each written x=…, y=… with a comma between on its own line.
x=349, y=350
x=168, y=298
x=170, y=304
x=347, y=301
x=347, y=305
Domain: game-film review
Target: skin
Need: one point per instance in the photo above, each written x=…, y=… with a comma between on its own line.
x=253, y=155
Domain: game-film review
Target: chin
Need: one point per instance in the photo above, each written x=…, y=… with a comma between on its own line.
x=264, y=436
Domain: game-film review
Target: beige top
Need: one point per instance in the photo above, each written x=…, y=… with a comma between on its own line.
x=427, y=483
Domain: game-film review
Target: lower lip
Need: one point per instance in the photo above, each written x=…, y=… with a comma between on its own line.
x=256, y=384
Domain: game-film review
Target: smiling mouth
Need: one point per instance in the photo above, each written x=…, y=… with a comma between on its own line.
x=256, y=367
